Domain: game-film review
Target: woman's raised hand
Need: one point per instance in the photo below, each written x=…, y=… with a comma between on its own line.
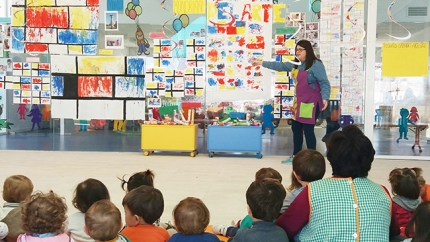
x=257, y=63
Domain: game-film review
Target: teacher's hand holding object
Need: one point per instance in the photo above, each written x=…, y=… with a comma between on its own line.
x=312, y=91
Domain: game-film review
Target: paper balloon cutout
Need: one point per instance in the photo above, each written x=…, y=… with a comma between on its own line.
x=133, y=9
x=130, y=6
x=185, y=20
x=316, y=6
x=177, y=25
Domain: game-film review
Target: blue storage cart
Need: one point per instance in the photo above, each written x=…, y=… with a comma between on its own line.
x=234, y=139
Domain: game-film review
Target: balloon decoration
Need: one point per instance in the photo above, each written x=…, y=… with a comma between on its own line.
x=316, y=7
x=133, y=9
x=182, y=22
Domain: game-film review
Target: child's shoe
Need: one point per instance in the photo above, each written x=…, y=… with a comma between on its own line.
x=220, y=229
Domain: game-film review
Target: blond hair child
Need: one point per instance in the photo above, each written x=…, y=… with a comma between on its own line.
x=103, y=222
x=16, y=189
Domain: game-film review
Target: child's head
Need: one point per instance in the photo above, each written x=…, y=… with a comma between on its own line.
x=191, y=216
x=138, y=179
x=143, y=205
x=265, y=198
x=264, y=173
x=419, y=225
x=89, y=192
x=308, y=166
x=44, y=213
x=103, y=221
x=404, y=182
x=17, y=188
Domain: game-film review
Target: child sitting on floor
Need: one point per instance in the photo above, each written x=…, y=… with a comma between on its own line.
x=308, y=166
x=246, y=222
x=15, y=190
x=419, y=224
x=406, y=191
x=43, y=217
x=138, y=179
x=264, y=199
x=191, y=218
x=103, y=222
x=86, y=194
x=144, y=178
x=143, y=206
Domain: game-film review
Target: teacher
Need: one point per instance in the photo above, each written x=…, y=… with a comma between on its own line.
x=311, y=93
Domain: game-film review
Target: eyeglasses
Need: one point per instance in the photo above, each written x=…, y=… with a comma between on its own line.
x=300, y=49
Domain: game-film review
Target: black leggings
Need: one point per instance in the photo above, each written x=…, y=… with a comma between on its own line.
x=298, y=129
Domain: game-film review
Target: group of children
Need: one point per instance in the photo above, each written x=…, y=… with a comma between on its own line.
x=41, y=217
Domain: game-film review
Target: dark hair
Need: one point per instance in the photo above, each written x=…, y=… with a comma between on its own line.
x=89, y=192
x=44, y=213
x=191, y=216
x=404, y=183
x=138, y=179
x=310, y=54
x=309, y=165
x=268, y=173
x=350, y=152
x=17, y=188
x=146, y=202
x=265, y=198
x=103, y=221
x=420, y=221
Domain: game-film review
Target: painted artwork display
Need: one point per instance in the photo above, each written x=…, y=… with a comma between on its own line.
x=55, y=26
x=176, y=76
x=352, y=58
x=99, y=87
x=30, y=82
x=238, y=33
x=284, y=95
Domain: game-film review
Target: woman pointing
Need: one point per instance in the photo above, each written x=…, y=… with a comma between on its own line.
x=312, y=91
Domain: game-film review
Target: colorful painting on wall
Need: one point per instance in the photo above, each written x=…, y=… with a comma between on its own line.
x=111, y=87
x=30, y=82
x=176, y=77
x=55, y=26
x=238, y=33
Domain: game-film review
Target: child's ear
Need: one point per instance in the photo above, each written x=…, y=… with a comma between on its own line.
x=249, y=210
x=86, y=230
x=297, y=176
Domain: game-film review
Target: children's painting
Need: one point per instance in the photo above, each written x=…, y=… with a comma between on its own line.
x=114, y=41
x=99, y=65
x=133, y=87
x=54, y=27
x=30, y=83
x=238, y=32
x=115, y=85
x=135, y=65
x=95, y=86
x=111, y=20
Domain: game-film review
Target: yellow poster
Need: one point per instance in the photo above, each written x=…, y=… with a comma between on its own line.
x=405, y=59
x=189, y=6
x=106, y=52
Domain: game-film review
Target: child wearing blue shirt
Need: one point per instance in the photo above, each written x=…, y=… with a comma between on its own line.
x=191, y=219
